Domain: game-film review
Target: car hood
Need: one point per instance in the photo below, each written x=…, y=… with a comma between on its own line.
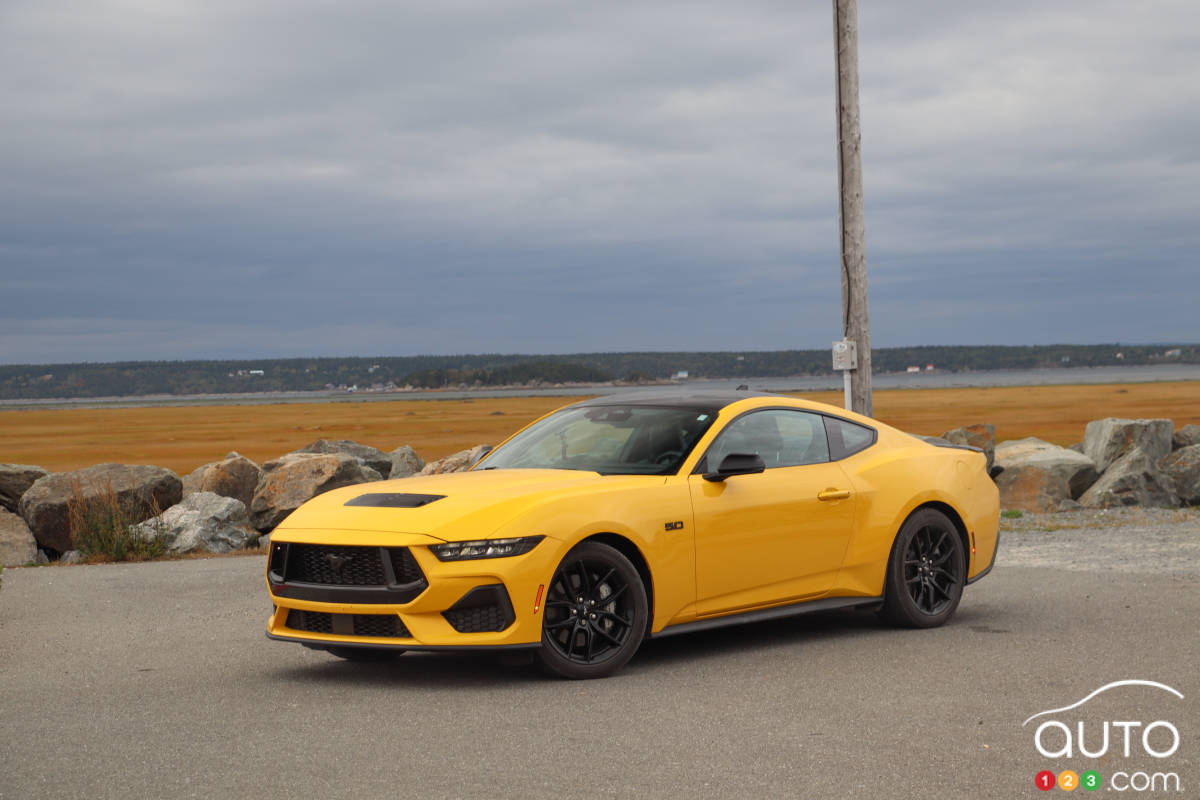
x=456, y=506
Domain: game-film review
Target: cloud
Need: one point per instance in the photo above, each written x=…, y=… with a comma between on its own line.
x=268, y=178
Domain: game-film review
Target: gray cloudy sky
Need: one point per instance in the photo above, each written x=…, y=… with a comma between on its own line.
x=244, y=178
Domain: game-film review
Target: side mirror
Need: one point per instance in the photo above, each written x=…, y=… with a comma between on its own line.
x=736, y=464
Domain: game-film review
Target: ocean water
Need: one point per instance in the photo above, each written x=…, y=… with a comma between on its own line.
x=1004, y=377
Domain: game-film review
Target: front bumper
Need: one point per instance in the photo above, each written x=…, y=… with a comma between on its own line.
x=379, y=594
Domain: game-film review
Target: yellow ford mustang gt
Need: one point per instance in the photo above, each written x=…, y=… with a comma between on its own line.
x=633, y=516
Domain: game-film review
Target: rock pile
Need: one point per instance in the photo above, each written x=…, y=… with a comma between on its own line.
x=141, y=490
x=1121, y=462
x=456, y=462
x=377, y=460
x=218, y=507
x=235, y=476
x=202, y=522
x=17, y=545
x=405, y=462
x=1061, y=475
x=15, y=480
x=293, y=479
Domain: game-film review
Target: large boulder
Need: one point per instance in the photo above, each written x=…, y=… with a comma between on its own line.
x=1106, y=440
x=456, y=462
x=236, y=476
x=1032, y=489
x=15, y=480
x=17, y=545
x=1183, y=468
x=982, y=436
x=202, y=522
x=377, y=460
x=292, y=480
x=1186, y=436
x=1075, y=468
x=142, y=491
x=1132, y=480
x=405, y=462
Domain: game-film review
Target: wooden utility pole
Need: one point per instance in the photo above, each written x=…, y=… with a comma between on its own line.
x=856, y=325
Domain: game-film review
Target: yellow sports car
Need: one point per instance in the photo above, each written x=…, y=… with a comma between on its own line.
x=638, y=515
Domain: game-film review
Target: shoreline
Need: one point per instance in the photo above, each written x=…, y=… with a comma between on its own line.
x=795, y=384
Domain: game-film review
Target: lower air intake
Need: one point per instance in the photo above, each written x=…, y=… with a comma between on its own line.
x=484, y=609
x=384, y=626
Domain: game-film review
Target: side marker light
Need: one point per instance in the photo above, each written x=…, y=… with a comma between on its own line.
x=537, y=604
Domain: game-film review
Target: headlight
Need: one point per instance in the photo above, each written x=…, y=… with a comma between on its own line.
x=484, y=548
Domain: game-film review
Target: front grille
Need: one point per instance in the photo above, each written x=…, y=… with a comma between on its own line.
x=324, y=573
x=336, y=566
x=480, y=619
x=387, y=626
x=405, y=566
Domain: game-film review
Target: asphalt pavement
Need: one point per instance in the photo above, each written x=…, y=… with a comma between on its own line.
x=156, y=681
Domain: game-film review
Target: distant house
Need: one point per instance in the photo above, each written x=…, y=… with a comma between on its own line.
x=929, y=367
x=913, y=369
x=1174, y=353
x=682, y=375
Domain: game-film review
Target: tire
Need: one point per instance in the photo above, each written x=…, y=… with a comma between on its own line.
x=365, y=654
x=926, y=572
x=595, y=615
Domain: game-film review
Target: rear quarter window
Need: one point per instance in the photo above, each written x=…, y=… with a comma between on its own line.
x=847, y=438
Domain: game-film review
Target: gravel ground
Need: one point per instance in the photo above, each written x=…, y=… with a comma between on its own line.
x=155, y=680
x=1154, y=540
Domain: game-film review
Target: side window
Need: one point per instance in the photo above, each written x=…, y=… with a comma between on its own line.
x=847, y=438
x=782, y=438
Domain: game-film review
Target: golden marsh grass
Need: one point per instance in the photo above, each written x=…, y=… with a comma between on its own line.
x=184, y=437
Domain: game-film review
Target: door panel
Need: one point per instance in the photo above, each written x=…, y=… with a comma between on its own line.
x=767, y=539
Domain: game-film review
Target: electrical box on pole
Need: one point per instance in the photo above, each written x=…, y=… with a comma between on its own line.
x=845, y=360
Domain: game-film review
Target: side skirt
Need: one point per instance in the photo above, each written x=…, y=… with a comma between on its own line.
x=765, y=614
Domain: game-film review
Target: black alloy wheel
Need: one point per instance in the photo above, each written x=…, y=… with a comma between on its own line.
x=926, y=572
x=595, y=613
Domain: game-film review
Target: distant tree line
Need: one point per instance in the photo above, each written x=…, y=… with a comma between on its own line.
x=32, y=381
x=516, y=374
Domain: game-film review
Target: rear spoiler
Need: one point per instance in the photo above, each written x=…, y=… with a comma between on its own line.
x=937, y=441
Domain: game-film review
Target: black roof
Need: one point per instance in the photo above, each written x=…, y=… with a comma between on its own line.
x=710, y=401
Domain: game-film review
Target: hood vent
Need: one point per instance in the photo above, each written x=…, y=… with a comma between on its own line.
x=393, y=500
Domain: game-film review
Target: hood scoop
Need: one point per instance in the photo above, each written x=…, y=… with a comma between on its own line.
x=393, y=500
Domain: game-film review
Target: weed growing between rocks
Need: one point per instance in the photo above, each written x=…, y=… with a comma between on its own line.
x=1012, y=514
x=102, y=526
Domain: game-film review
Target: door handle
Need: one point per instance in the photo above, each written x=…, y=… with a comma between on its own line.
x=833, y=494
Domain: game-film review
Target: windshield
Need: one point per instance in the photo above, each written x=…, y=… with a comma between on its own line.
x=613, y=440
